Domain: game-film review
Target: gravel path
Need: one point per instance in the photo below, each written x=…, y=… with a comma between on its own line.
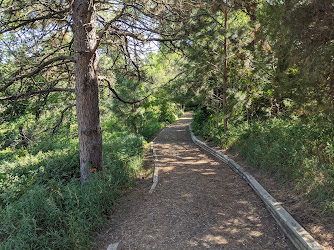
x=199, y=203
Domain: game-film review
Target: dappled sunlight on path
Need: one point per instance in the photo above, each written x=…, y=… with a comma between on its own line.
x=198, y=203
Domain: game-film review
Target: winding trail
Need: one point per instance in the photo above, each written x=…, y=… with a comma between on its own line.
x=199, y=203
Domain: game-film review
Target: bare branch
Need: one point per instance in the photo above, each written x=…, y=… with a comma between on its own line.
x=116, y=94
x=55, y=128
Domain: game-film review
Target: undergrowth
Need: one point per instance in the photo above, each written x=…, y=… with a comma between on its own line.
x=295, y=150
x=44, y=205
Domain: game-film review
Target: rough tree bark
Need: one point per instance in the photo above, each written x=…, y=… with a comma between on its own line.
x=86, y=87
x=276, y=103
x=331, y=88
x=217, y=108
x=133, y=118
x=248, y=113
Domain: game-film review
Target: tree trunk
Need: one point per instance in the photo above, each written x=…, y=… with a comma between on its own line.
x=331, y=88
x=247, y=108
x=86, y=87
x=275, y=109
x=217, y=108
x=141, y=118
x=225, y=71
x=133, y=118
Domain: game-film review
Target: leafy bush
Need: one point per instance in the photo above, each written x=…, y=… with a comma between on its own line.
x=152, y=128
x=153, y=124
x=168, y=112
x=295, y=150
x=204, y=124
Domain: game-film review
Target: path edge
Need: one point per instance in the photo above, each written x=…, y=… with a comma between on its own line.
x=115, y=246
x=299, y=237
x=156, y=169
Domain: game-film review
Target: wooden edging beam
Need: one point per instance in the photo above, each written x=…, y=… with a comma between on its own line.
x=299, y=237
x=115, y=246
x=156, y=169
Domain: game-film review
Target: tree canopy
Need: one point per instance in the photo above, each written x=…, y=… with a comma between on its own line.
x=84, y=84
x=242, y=60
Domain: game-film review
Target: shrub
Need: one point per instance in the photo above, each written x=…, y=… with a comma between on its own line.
x=300, y=151
x=152, y=128
x=44, y=205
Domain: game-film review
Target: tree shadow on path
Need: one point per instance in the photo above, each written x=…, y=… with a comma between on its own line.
x=199, y=203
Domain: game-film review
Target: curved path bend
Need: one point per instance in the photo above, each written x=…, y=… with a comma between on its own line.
x=199, y=203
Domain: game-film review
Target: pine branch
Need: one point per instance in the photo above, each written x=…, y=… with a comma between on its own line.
x=37, y=70
x=24, y=22
x=116, y=94
x=31, y=93
x=55, y=128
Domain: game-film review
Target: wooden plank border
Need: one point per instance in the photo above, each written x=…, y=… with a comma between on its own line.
x=156, y=169
x=299, y=237
x=115, y=246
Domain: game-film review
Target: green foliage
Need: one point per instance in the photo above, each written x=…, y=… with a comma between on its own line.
x=279, y=67
x=153, y=95
x=151, y=129
x=204, y=124
x=300, y=40
x=300, y=151
x=44, y=205
x=280, y=88
x=168, y=112
x=296, y=150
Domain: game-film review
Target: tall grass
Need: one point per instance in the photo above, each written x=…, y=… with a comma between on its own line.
x=44, y=205
x=296, y=150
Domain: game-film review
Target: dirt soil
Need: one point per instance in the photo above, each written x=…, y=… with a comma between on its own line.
x=199, y=203
x=319, y=225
